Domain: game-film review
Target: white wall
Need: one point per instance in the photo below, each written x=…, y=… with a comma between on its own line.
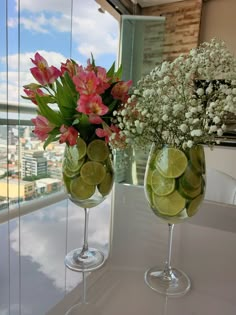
x=222, y=159
x=219, y=21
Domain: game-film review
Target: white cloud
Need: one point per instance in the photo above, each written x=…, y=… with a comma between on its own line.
x=35, y=24
x=63, y=6
x=46, y=231
x=91, y=30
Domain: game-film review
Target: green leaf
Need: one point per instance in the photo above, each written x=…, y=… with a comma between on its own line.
x=111, y=71
x=118, y=73
x=50, y=138
x=113, y=105
x=32, y=86
x=53, y=116
x=26, y=97
x=76, y=121
x=93, y=61
x=65, y=100
x=66, y=80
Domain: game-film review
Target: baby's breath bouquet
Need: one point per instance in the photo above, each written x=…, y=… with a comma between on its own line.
x=184, y=102
x=178, y=107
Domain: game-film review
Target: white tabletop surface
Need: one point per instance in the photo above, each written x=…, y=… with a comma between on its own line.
x=204, y=247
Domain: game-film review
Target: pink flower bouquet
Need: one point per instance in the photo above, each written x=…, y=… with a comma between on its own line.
x=76, y=101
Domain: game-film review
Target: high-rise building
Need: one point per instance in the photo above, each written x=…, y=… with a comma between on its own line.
x=34, y=164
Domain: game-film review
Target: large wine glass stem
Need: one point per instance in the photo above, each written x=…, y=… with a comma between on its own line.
x=85, y=245
x=168, y=269
x=170, y=281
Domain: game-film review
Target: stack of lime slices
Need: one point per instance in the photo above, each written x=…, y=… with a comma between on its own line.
x=87, y=168
x=174, y=181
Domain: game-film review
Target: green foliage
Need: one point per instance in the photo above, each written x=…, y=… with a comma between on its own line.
x=44, y=110
x=34, y=177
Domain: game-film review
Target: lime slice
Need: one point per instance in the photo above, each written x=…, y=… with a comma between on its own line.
x=171, y=162
x=190, y=179
x=162, y=186
x=81, y=190
x=106, y=185
x=197, y=159
x=98, y=150
x=71, y=157
x=82, y=148
x=170, y=205
x=188, y=192
x=193, y=205
x=92, y=173
x=73, y=170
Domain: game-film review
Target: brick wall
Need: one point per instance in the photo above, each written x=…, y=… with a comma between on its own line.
x=182, y=26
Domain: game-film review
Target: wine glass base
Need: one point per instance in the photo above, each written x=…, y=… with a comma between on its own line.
x=89, y=260
x=173, y=283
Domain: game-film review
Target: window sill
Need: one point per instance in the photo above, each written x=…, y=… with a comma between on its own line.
x=34, y=205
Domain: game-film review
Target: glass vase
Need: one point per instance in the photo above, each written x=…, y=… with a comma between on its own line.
x=88, y=177
x=174, y=187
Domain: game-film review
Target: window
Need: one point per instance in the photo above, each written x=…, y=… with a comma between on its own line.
x=57, y=32
x=30, y=178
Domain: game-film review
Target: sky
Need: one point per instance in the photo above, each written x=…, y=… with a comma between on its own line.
x=45, y=26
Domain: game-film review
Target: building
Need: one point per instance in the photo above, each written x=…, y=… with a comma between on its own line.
x=16, y=190
x=48, y=185
x=34, y=164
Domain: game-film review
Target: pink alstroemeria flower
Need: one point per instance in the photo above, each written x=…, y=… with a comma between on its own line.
x=106, y=132
x=103, y=80
x=71, y=67
x=68, y=135
x=32, y=94
x=42, y=127
x=95, y=119
x=86, y=82
x=120, y=90
x=91, y=104
x=42, y=72
x=103, y=133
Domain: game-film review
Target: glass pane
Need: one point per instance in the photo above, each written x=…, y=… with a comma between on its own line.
x=141, y=46
x=28, y=173
x=141, y=49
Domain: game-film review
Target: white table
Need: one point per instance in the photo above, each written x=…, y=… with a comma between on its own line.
x=204, y=247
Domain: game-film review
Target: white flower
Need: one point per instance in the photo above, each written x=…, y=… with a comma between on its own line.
x=196, y=132
x=216, y=119
x=200, y=92
x=189, y=143
x=167, y=106
x=166, y=79
x=165, y=117
x=183, y=127
x=188, y=115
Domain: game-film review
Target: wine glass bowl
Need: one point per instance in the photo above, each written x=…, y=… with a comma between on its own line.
x=174, y=186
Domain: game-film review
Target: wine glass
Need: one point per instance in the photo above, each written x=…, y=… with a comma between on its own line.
x=174, y=187
x=88, y=177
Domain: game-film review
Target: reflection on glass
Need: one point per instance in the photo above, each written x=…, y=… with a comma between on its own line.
x=27, y=171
